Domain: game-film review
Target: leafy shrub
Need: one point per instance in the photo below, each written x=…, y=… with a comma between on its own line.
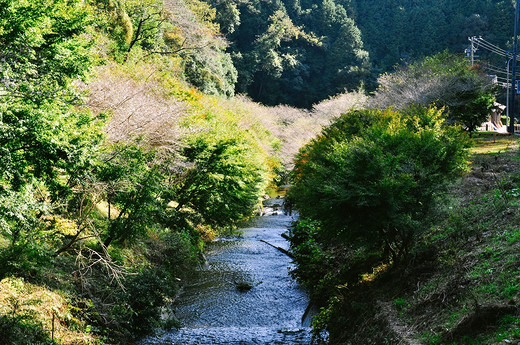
x=366, y=188
x=22, y=331
x=146, y=294
x=372, y=177
x=309, y=254
x=23, y=250
x=172, y=257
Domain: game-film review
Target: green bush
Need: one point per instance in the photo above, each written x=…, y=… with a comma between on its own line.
x=19, y=330
x=366, y=189
x=146, y=294
x=372, y=178
x=310, y=256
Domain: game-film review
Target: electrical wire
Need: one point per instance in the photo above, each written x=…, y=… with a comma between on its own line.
x=489, y=46
x=492, y=50
x=502, y=51
x=503, y=80
x=482, y=43
x=495, y=69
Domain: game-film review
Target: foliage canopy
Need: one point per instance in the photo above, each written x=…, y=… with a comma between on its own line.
x=43, y=48
x=372, y=177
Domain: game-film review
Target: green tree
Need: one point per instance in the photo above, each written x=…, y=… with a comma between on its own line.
x=43, y=47
x=47, y=140
x=472, y=113
x=133, y=185
x=21, y=226
x=133, y=23
x=225, y=180
x=227, y=15
x=211, y=72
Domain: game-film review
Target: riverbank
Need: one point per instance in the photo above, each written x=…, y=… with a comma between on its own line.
x=462, y=283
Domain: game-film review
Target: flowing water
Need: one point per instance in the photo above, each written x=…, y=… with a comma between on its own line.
x=213, y=310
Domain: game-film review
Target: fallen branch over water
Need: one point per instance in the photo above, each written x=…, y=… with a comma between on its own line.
x=289, y=254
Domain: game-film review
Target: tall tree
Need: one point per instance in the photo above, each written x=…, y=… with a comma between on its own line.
x=43, y=47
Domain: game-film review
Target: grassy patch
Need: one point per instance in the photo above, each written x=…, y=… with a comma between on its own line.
x=492, y=143
x=38, y=314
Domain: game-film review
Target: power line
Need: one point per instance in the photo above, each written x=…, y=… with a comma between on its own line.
x=489, y=64
x=503, y=80
x=491, y=49
x=495, y=69
x=500, y=50
x=482, y=43
x=501, y=77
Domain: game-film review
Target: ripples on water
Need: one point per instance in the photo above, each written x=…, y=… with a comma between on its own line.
x=213, y=311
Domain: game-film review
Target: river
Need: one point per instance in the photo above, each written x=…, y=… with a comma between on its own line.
x=213, y=310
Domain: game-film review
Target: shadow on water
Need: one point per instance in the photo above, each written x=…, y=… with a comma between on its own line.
x=245, y=294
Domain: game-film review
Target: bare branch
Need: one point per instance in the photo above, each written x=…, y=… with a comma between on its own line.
x=88, y=259
x=139, y=108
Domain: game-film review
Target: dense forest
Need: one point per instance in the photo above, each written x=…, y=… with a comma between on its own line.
x=133, y=132
x=283, y=49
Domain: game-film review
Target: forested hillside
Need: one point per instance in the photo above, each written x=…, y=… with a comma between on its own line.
x=405, y=30
x=283, y=49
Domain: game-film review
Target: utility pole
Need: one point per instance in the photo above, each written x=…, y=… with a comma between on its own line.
x=508, y=85
x=511, y=128
x=472, y=51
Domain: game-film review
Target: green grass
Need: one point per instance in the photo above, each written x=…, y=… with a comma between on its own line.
x=492, y=143
x=509, y=328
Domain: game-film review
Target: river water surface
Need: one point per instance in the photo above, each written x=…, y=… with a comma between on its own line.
x=214, y=311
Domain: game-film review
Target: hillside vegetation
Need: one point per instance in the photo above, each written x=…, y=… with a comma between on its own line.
x=410, y=236
x=285, y=48
x=130, y=136
x=459, y=283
